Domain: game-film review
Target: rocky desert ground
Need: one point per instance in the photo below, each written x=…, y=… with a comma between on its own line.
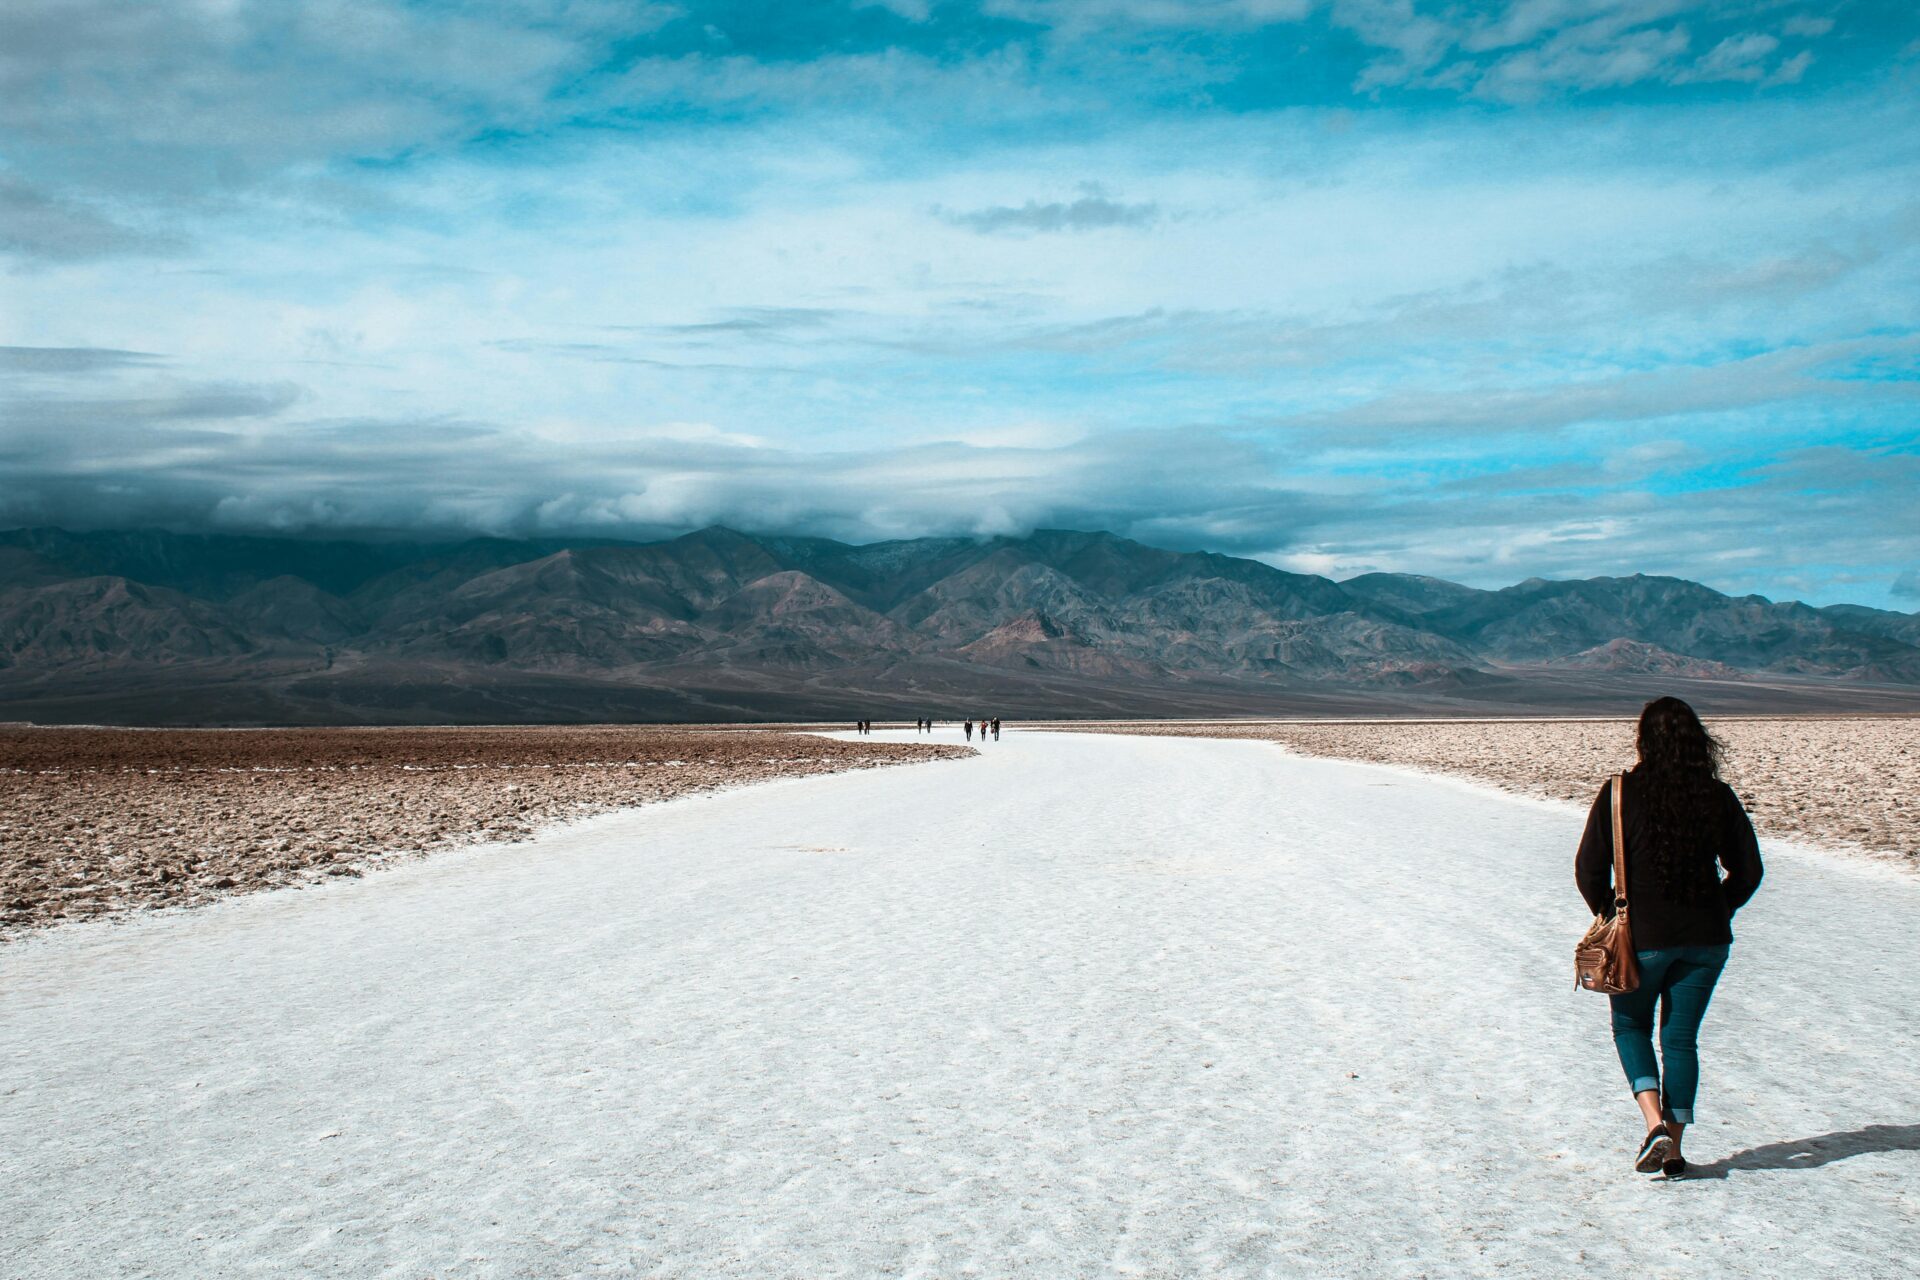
x=1850, y=782
x=94, y=821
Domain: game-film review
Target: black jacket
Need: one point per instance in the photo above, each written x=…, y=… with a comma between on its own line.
x=1666, y=915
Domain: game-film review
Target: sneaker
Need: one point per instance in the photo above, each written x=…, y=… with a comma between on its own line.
x=1653, y=1152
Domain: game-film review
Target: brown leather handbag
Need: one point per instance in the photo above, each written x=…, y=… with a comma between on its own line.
x=1604, y=960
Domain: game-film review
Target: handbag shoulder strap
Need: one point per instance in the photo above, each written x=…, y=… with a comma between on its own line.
x=1619, y=846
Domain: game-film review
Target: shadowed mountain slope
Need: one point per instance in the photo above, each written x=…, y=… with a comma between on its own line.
x=719, y=624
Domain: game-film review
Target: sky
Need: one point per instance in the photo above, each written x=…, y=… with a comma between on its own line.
x=1553, y=288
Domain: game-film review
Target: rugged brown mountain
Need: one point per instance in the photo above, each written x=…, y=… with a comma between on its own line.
x=722, y=625
x=1035, y=640
x=1539, y=621
x=1650, y=659
x=106, y=620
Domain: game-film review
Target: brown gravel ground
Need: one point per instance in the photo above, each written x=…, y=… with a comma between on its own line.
x=1847, y=782
x=94, y=821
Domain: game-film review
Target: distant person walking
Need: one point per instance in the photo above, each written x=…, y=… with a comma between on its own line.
x=996, y=728
x=1682, y=825
x=969, y=730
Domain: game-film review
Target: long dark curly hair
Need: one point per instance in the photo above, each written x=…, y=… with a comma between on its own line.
x=1677, y=784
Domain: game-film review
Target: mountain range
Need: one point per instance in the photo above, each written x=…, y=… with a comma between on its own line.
x=719, y=625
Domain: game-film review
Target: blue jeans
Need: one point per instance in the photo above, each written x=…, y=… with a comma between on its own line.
x=1681, y=980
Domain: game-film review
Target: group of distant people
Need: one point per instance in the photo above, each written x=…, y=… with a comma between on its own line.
x=985, y=724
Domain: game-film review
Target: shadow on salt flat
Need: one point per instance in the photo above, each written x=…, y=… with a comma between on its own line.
x=1812, y=1153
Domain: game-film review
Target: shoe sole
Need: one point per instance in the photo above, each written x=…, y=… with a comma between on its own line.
x=1655, y=1156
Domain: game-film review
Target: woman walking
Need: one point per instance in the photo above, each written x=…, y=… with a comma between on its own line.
x=1682, y=824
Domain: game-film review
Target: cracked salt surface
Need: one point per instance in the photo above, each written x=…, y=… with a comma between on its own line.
x=1081, y=1006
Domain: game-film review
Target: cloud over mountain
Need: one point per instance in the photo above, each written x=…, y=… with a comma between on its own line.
x=1488, y=289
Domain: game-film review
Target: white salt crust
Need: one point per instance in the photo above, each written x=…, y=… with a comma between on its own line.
x=1083, y=1006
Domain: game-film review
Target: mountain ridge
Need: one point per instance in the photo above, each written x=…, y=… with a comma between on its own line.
x=777, y=626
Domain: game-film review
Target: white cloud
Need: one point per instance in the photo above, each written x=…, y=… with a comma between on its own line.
x=1808, y=25
x=911, y=10
x=1738, y=57
x=1091, y=211
x=1079, y=15
x=1571, y=62
x=38, y=226
x=1531, y=50
x=1790, y=70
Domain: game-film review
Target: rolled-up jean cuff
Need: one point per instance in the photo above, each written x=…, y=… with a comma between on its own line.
x=1680, y=1115
x=1643, y=1083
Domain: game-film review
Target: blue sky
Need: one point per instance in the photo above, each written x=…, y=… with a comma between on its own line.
x=1487, y=291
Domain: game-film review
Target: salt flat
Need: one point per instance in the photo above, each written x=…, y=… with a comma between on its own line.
x=1080, y=1006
